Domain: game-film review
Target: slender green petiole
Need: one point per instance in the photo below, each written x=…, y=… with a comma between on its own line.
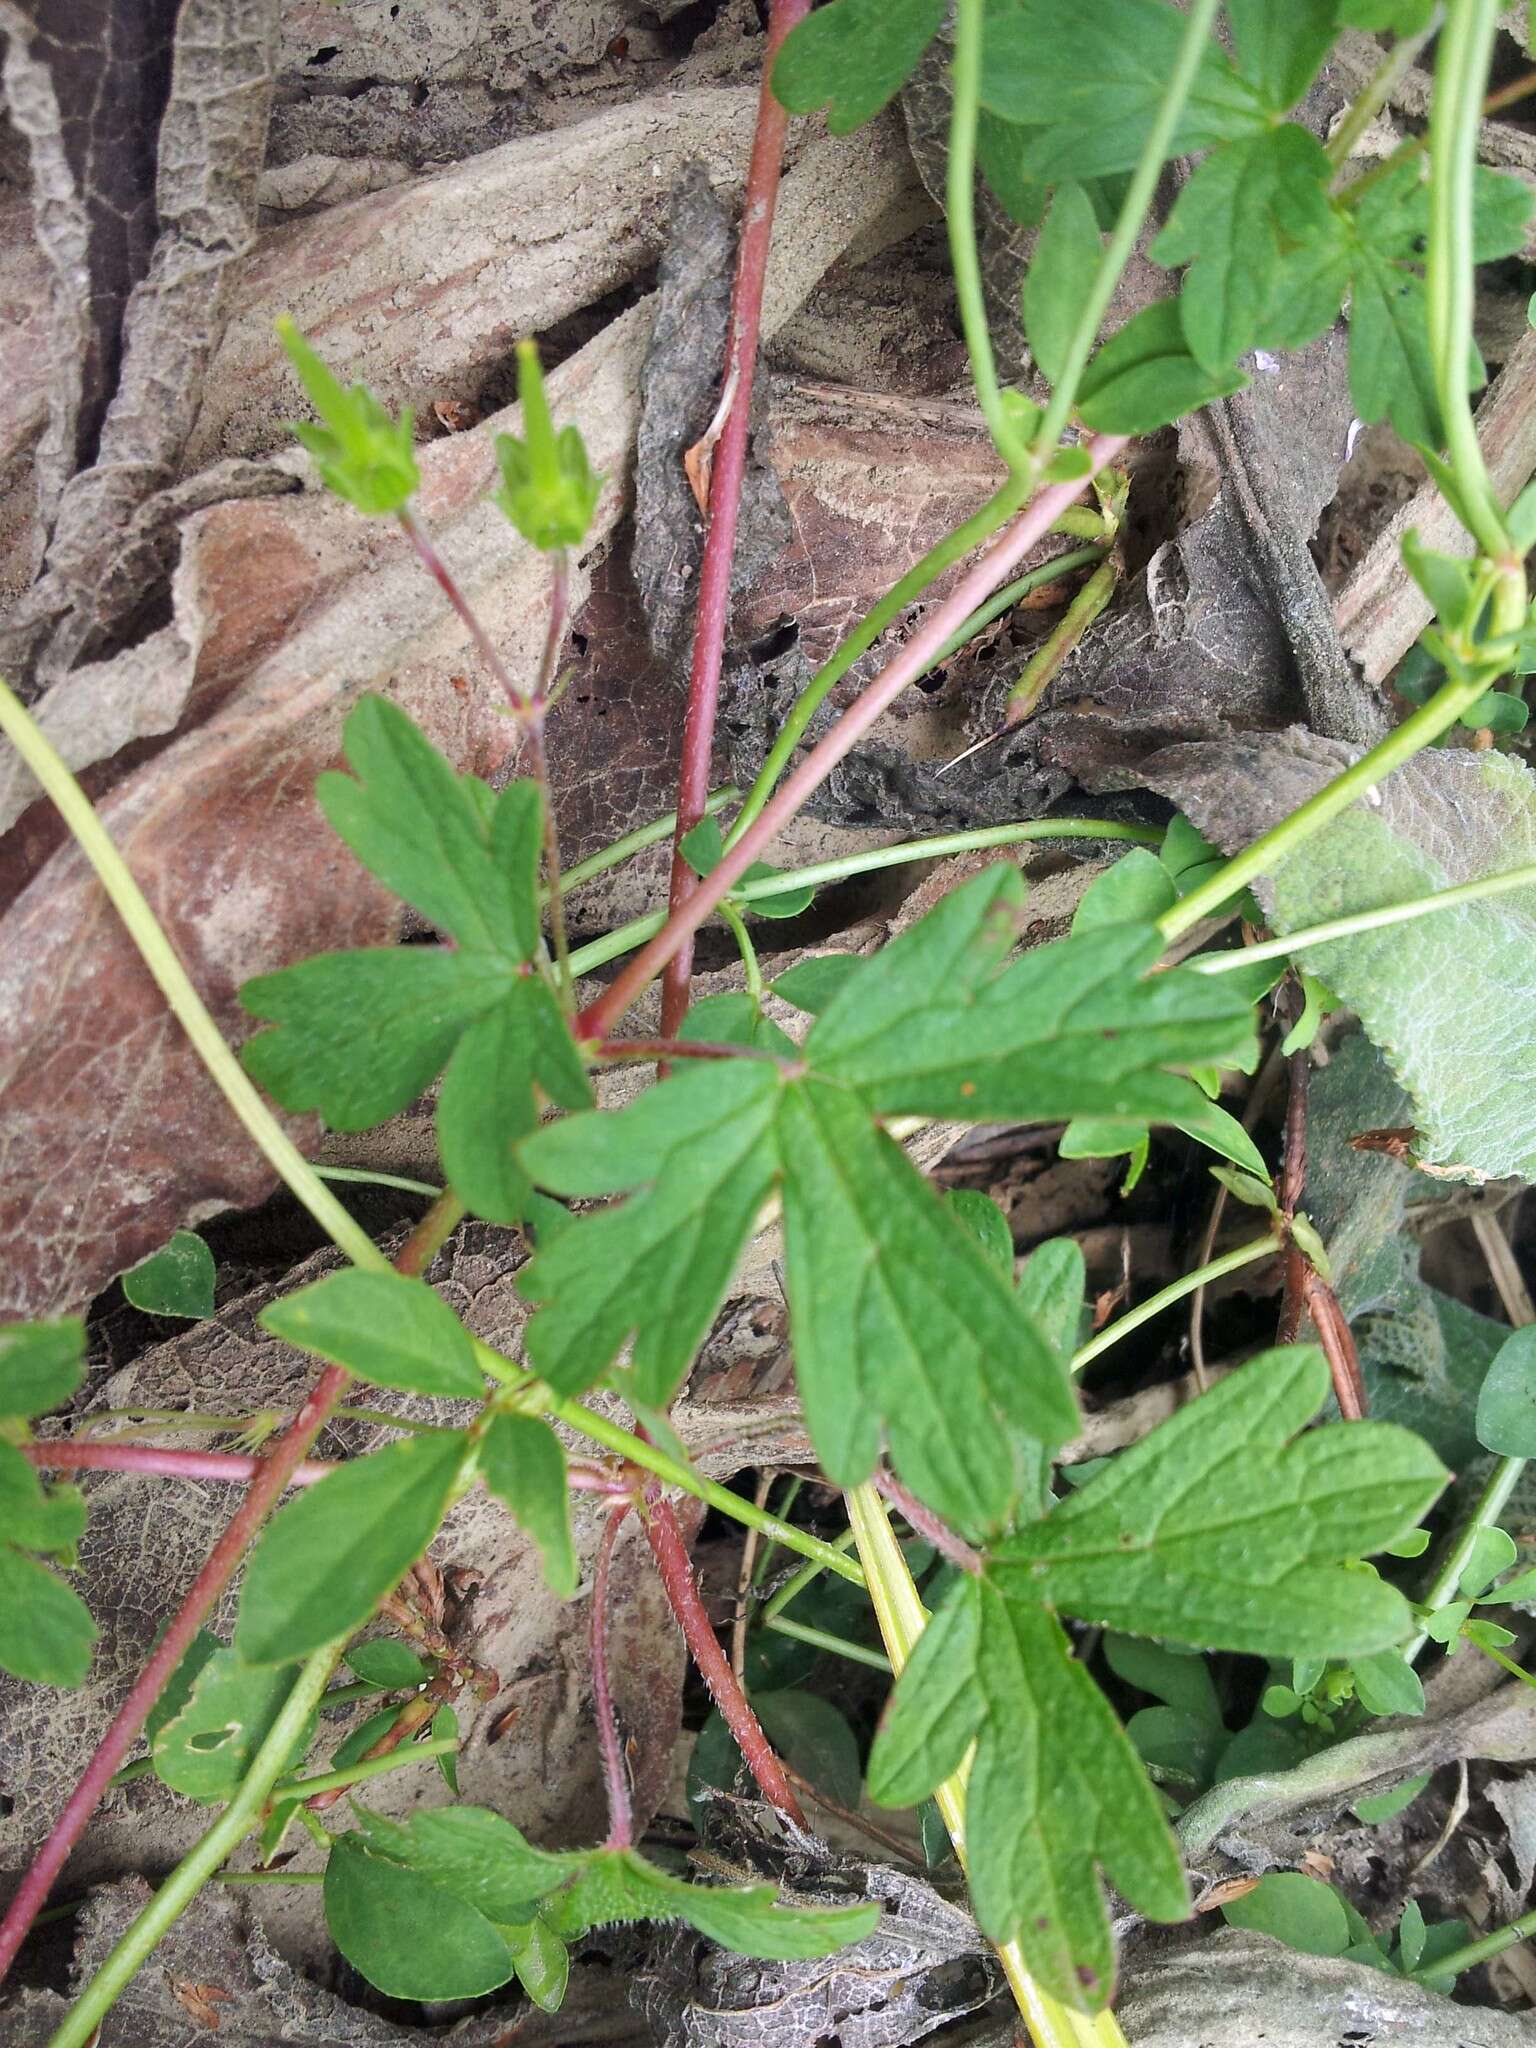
x=960, y=217
x=822, y=1639
x=654, y=834
x=1491, y=1502
x=1365, y=921
x=1014, y=593
x=136, y=1944
x=747, y=950
x=1245, y=1255
x=369, y=1767
x=1481, y=1950
x=801, y=1579
x=366, y=1177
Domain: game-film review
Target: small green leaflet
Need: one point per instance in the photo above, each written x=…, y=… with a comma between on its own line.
x=986, y=1223
x=205, y=1748
x=1246, y=206
x=453, y=1898
x=177, y=1280
x=1089, y=82
x=384, y=1662
x=326, y=1560
x=852, y=57
x=362, y=454
x=523, y=1463
x=1216, y=1531
x=359, y=1035
x=46, y=1631
x=383, y=1327
x=548, y=491
x=1279, y=49
x=41, y=1364
x=1228, y=1530
x=1506, y=1404
x=703, y=847
x=1144, y=376
x=1056, y=1788
x=1060, y=275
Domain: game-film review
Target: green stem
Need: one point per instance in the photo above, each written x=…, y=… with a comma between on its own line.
x=620, y=850
x=1493, y=1944
x=1461, y=70
x=1400, y=745
x=174, y=983
x=960, y=216
x=1364, y=921
x=1015, y=592
x=801, y=1579
x=1507, y=1664
x=1491, y=1502
x=625, y=938
x=1378, y=89
x=745, y=947
x=1044, y=665
x=822, y=1639
x=651, y=1458
x=190, y=1875
x=368, y=1178
x=981, y=525
x=370, y=1767
x=1128, y=224
x=1245, y=1255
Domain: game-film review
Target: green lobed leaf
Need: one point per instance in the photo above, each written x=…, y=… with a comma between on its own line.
x=51, y=1519
x=700, y=1146
x=548, y=490
x=1051, y=1289
x=409, y=1937
x=46, y=1630
x=1091, y=82
x=476, y=1855
x=1056, y=1789
x=1391, y=376
x=41, y=1364
x=523, y=1463
x=206, y=1747
x=1060, y=275
x=363, y=455
x=178, y=1688
x=852, y=57
x=177, y=1280
x=1506, y=1405
x=326, y=1559
x=1246, y=206
x=899, y=1317
x=1279, y=49
x=1136, y=889
x=617, y=1885
x=1231, y=1526
x=1145, y=376
x=383, y=1327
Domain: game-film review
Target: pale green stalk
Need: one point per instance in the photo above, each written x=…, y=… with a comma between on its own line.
x=822, y=1639
x=368, y=1767
x=134, y=1947
x=749, y=960
x=175, y=984
x=365, y=1177
x=1364, y=921
x=1257, y=1248
x=960, y=215
x=1013, y=593
x=1378, y=89
x=1481, y=1950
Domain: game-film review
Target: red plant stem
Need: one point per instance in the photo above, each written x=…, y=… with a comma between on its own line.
x=277, y=1468
x=443, y=577
x=925, y=1523
x=621, y=1820
x=682, y=1590
x=1338, y=1342
x=681, y=1049
x=726, y=477
x=914, y=657
x=1293, y=1175
x=55, y=1456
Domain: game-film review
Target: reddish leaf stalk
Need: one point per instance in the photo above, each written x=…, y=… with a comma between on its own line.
x=682, y=1590
x=621, y=1820
x=726, y=478
x=683, y=1049
x=912, y=660
x=1305, y=1288
x=168, y=1464
x=277, y=1468
x=925, y=1523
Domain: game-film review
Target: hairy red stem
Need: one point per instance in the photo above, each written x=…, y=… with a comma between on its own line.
x=925, y=1523
x=914, y=657
x=59, y=1456
x=714, y=1667
x=726, y=478
x=277, y=1468
x=621, y=1819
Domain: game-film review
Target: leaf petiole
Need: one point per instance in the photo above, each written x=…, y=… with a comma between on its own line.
x=1265, y=1247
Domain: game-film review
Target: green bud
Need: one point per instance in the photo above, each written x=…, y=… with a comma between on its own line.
x=548, y=490
x=362, y=454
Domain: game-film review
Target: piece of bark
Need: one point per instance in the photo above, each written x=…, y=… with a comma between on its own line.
x=285, y=612
x=147, y=125
x=1381, y=611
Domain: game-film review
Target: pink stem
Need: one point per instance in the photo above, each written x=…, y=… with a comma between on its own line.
x=925, y=1523
x=726, y=477
x=169, y=1464
x=915, y=656
x=621, y=1822
x=111, y=1752
x=714, y=1667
